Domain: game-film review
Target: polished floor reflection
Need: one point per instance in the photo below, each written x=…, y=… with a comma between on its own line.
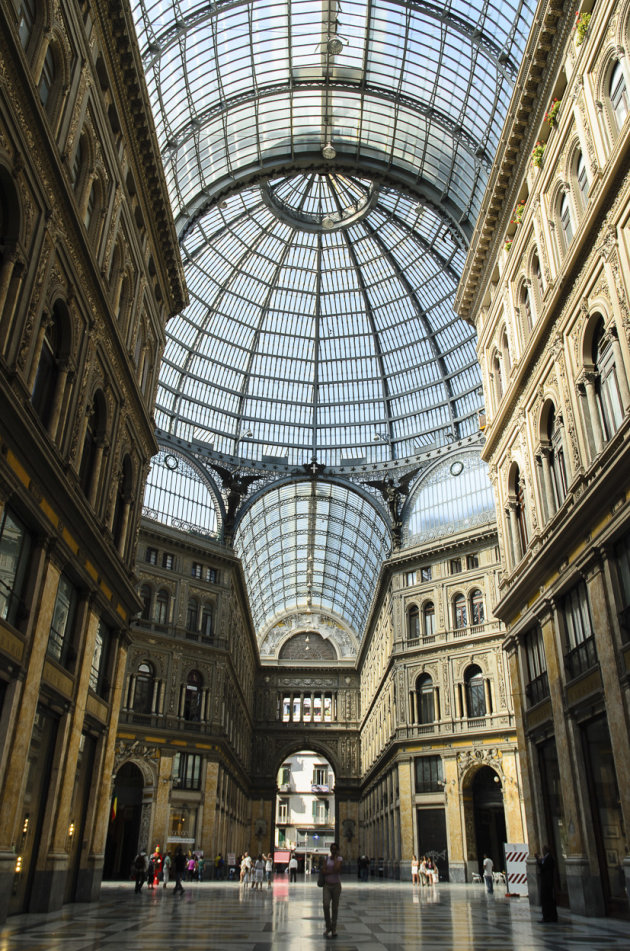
x=380, y=916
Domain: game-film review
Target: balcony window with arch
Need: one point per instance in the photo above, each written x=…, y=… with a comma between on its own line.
x=477, y=608
x=619, y=99
x=557, y=467
x=413, y=622
x=145, y=597
x=143, y=692
x=425, y=699
x=606, y=382
x=566, y=219
x=428, y=619
x=475, y=692
x=162, y=602
x=45, y=394
x=192, y=697
x=460, y=612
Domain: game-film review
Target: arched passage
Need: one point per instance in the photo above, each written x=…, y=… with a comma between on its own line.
x=485, y=818
x=304, y=815
x=123, y=834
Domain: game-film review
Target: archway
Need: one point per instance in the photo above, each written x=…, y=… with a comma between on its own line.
x=488, y=818
x=124, y=824
x=304, y=810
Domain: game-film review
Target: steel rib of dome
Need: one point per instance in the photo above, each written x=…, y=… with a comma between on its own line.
x=326, y=163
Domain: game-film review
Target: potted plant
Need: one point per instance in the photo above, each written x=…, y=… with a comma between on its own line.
x=582, y=21
x=507, y=245
x=517, y=214
x=537, y=154
x=551, y=116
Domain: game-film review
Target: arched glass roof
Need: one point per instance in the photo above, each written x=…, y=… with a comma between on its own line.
x=311, y=545
x=326, y=162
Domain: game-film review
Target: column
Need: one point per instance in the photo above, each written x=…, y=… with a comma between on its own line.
x=132, y=691
x=620, y=368
x=465, y=712
x=57, y=401
x=514, y=536
x=96, y=471
x=154, y=697
x=593, y=410
x=486, y=695
x=547, y=481
x=436, y=704
x=37, y=350
x=122, y=541
x=458, y=702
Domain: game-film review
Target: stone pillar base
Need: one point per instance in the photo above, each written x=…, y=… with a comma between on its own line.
x=585, y=889
x=457, y=872
x=7, y=871
x=90, y=878
x=49, y=884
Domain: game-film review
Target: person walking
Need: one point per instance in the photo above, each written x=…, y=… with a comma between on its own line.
x=259, y=871
x=546, y=870
x=488, y=866
x=331, y=867
x=364, y=867
x=140, y=867
x=268, y=869
x=293, y=867
x=166, y=869
x=179, y=864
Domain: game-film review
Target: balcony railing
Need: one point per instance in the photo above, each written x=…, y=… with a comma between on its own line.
x=537, y=689
x=454, y=634
x=581, y=658
x=161, y=721
x=182, y=633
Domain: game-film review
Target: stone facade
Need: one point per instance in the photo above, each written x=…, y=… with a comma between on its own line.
x=547, y=284
x=89, y=274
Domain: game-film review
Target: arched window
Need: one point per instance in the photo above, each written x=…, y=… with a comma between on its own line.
x=526, y=309
x=477, y=609
x=192, y=699
x=475, y=696
x=557, y=467
x=48, y=78
x=460, y=614
x=145, y=597
x=26, y=21
x=94, y=432
x=143, y=694
x=581, y=175
x=207, y=621
x=566, y=221
x=606, y=382
x=428, y=619
x=506, y=359
x=425, y=699
x=162, y=602
x=619, y=94
x=47, y=375
x=413, y=622
x=192, y=615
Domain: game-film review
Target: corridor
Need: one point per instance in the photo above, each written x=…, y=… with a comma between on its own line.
x=380, y=916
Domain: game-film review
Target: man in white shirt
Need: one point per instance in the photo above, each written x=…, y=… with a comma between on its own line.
x=293, y=867
x=488, y=866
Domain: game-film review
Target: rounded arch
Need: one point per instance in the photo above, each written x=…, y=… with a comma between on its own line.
x=412, y=614
x=55, y=75
x=304, y=744
x=309, y=645
x=475, y=691
x=613, y=86
x=594, y=329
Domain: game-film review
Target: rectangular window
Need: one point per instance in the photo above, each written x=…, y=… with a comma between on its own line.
x=168, y=561
x=211, y=575
x=197, y=568
x=537, y=685
x=410, y=578
x=187, y=771
x=425, y=573
x=151, y=556
x=472, y=561
x=320, y=776
x=60, y=636
x=283, y=810
x=15, y=546
x=580, y=652
x=285, y=775
x=455, y=565
x=429, y=774
x=320, y=810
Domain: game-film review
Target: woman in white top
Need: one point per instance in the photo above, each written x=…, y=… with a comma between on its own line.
x=414, y=871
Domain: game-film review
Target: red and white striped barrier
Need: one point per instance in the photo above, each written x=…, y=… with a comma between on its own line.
x=516, y=868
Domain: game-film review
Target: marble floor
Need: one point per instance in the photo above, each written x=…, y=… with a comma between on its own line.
x=379, y=916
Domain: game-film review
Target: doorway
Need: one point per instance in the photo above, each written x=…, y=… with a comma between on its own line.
x=489, y=817
x=123, y=833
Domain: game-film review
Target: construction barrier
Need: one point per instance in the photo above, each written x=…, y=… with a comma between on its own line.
x=516, y=868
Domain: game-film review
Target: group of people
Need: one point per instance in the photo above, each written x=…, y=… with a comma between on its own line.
x=424, y=872
x=158, y=867
x=254, y=872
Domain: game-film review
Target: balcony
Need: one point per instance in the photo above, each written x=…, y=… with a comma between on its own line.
x=472, y=631
x=183, y=634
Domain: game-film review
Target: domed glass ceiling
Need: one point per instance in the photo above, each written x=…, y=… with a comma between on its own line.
x=326, y=162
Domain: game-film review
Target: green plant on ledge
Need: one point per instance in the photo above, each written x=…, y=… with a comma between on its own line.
x=507, y=245
x=551, y=116
x=582, y=21
x=537, y=154
x=517, y=214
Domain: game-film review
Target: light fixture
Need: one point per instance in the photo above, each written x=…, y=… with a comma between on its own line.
x=334, y=45
x=329, y=151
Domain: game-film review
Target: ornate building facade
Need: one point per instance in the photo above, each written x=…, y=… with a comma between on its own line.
x=548, y=292
x=89, y=274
